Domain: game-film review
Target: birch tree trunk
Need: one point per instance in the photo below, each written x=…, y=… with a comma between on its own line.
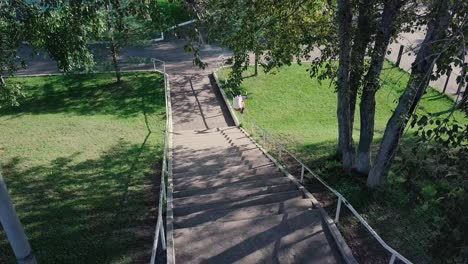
x=421, y=71
x=345, y=140
x=361, y=40
x=372, y=84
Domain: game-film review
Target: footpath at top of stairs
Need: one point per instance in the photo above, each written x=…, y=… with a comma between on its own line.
x=196, y=105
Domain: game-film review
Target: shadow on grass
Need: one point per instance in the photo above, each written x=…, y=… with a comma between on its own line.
x=389, y=210
x=97, y=211
x=82, y=95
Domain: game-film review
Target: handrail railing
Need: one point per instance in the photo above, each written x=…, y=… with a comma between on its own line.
x=304, y=169
x=159, y=232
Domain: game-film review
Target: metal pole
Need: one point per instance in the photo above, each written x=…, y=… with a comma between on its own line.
x=302, y=173
x=154, y=64
x=400, y=52
x=392, y=259
x=164, y=195
x=163, y=237
x=264, y=139
x=338, y=209
x=459, y=88
x=446, y=81
x=13, y=228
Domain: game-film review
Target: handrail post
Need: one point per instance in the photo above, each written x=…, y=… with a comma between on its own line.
x=392, y=259
x=164, y=194
x=163, y=236
x=302, y=173
x=264, y=139
x=338, y=209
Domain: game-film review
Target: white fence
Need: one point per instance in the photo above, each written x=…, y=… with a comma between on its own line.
x=159, y=232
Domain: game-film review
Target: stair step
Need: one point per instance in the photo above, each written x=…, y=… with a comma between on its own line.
x=233, y=187
x=230, y=170
x=181, y=151
x=247, y=201
x=286, y=238
x=196, y=160
x=207, y=152
x=220, y=135
x=213, y=147
x=176, y=135
x=250, y=212
x=234, y=134
x=220, y=159
x=208, y=142
x=196, y=132
x=253, y=162
x=231, y=196
x=197, y=167
x=231, y=130
x=188, y=138
x=210, y=181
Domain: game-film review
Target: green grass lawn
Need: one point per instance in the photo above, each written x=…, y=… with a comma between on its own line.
x=81, y=165
x=301, y=113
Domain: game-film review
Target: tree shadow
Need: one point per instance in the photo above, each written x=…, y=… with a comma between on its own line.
x=90, y=95
x=389, y=210
x=99, y=210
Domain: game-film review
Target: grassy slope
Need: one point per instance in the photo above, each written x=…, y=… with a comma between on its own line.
x=290, y=92
x=301, y=112
x=76, y=169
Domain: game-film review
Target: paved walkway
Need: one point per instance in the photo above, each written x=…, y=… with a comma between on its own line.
x=231, y=204
x=171, y=51
x=411, y=43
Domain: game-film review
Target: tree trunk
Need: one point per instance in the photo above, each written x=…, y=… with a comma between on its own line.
x=361, y=40
x=13, y=228
x=114, y=51
x=256, y=65
x=372, y=84
x=462, y=102
x=421, y=71
x=345, y=140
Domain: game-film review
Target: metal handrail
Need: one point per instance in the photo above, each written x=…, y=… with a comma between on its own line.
x=341, y=199
x=159, y=232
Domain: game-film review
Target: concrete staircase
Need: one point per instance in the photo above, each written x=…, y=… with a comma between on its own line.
x=231, y=204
